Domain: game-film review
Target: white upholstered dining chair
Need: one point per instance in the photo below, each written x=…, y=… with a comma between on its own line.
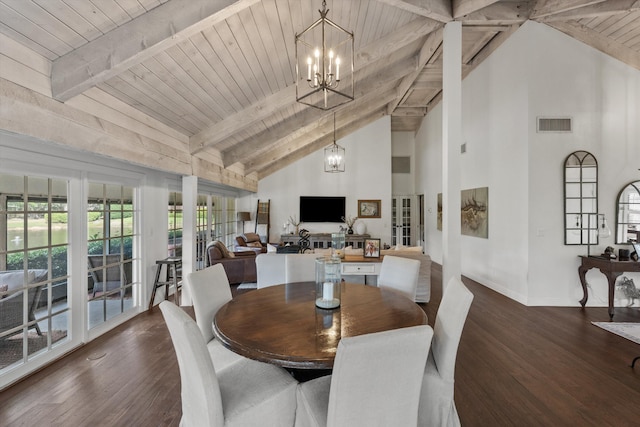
x=248, y=393
x=437, y=407
x=209, y=289
x=400, y=274
x=376, y=381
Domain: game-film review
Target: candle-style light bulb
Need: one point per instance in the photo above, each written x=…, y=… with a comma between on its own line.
x=315, y=74
x=337, y=68
x=330, y=59
x=308, y=68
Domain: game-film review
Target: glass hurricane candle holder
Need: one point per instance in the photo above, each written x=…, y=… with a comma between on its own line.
x=328, y=280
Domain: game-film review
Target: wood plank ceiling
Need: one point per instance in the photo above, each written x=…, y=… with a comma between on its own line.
x=222, y=72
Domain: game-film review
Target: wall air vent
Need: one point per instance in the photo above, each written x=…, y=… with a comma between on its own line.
x=555, y=124
x=400, y=164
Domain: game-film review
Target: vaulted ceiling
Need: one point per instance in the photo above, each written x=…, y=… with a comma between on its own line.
x=222, y=72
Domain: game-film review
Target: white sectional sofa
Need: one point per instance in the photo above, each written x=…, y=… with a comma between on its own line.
x=274, y=269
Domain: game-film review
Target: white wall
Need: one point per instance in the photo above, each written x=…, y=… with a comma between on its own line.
x=538, y=71
x=367, y=176
x=602, y=95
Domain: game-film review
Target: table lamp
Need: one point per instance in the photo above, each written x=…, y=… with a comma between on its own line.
x=244, y=216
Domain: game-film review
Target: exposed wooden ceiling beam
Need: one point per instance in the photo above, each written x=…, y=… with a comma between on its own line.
x=306, y=121
x=483, y=54
x=410, y=111
x=356, y=109
x=499, y=14
x=610, y=7
x=268, y=106
x=322, y=140
x=596, y=40
x=434, y=40
x=465, y=7
x=135, y=41
x=390, y=68
x=551, y=7
x=480, y=43
x=318, y=144
x=438, y=10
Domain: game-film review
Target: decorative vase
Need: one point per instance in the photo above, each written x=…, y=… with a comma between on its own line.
x=361, y=228
x=350, y=230
x=337, y=244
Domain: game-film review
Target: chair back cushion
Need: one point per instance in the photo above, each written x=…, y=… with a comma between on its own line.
x=209, y=290
x=270, y=269
x=216, y=250
x=15, y=279
x=450, y=320
x=300, y=267
x=252, y=238
x=377, y=377
x=200, y=391
x=400, y=274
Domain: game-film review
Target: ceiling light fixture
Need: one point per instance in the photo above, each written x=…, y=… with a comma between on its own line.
x=334, y=154
x=326, y=52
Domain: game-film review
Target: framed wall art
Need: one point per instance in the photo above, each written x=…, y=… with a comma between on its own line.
x=368, y=208
x=474, y=212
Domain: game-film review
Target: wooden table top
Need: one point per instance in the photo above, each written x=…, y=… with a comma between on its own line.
x=281, y=324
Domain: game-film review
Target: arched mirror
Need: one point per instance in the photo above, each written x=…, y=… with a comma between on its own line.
x=628, y=218
x=580, y=199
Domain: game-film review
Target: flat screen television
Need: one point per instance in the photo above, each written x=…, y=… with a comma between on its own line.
x=322, y=209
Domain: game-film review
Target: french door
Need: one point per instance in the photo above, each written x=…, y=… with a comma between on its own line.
x=402, y=220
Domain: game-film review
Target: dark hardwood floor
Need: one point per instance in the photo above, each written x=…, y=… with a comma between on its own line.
x=517, y=366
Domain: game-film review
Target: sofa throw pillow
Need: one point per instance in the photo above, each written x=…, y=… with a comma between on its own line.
x=15, y=278
x=4, y=289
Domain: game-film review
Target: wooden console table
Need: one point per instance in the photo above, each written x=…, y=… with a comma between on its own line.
x=358, y=265
x=610, y=268
x=323, y=240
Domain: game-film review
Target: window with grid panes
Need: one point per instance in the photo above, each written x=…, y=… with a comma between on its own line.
x=110, y=222
x=34, y=245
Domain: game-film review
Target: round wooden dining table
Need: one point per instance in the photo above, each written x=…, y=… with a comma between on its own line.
x=282, y=325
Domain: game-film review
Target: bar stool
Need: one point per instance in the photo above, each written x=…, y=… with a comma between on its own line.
x=173, y=265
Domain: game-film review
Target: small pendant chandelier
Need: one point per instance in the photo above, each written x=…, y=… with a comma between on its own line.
x=324, y=51
x=334, y=154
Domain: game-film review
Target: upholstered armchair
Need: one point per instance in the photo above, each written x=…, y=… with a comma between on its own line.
x=239, y=266
x=250, y=242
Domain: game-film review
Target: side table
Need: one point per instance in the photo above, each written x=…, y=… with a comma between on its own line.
x=611, y=270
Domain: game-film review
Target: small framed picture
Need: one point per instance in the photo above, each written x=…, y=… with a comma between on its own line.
x=368, y=208
x=371, y=248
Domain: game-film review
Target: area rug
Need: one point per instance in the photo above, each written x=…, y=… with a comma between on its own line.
x=11, y=347
x=628, y=330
